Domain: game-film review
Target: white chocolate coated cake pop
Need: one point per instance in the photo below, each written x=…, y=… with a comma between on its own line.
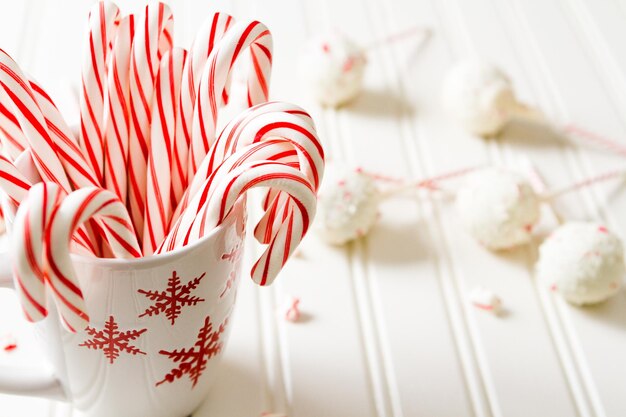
x=584, y=262
x=347, y=205
x=481, y=98
x=332, y=67
x=498, y=207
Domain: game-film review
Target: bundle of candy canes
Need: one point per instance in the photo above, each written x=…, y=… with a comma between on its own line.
x=149, y=169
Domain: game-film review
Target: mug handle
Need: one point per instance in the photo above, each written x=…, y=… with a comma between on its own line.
x=26, y=381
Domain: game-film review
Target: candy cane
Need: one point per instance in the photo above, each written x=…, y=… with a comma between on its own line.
x=12, y=181
x=116, y=109
x=32, y=122
x=265, y=174
x=164, y=116
x=152, y=39
x=64, y=142
x=104, y=18
x=27, y=248
x=275, y=150
x=217, y=71
x=13, y=140
x=208, y=36
x=75, y=209
x=276, y=119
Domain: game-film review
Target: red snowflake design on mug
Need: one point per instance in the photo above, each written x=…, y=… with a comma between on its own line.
x=233, y=258
x=193, y=361
x=171, y=300
x=112, y=341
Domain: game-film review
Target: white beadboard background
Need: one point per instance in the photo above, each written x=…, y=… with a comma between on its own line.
x=390, y=331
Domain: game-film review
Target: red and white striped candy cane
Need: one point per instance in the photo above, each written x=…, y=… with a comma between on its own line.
x=13, y=140
x=162, y=134
x=208, y=36
x=75, y=209
x=253, y=38
x=261, y=124
x=14, y=184
x=104, y=17
x=265, y=174
x=274, y=150
x=152, y=39
x=27, y=247
x=32, y=122
x=116, y=109
x=233, y=137
x=65, y=144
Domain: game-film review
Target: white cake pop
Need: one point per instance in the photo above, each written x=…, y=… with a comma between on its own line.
x=498, y=207
x=332, y=67
x=481, y=98
x=583, y=262
x=347, y=205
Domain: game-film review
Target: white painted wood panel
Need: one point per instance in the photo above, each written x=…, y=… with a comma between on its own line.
x=389, y=329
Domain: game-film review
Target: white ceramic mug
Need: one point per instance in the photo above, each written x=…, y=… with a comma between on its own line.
x=157, y=328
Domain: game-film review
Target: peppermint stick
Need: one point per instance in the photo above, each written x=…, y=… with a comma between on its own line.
x=253, y=38
x=152, y=39
x=27, y=248
x=225, y=193
x=208, y=36
x=116, y=109
x=104, y=17
x=164, y=116
x=75, y=209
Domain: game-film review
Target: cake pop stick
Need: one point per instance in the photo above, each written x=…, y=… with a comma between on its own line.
x=349, y=202
x=251, y=37
x=27, y=237
x=208, y=36
x=164, y=115
x=104, y=17
x=76, y=208
x=116, y=116
x=332, y=65
x=595, y=139
x=151, y=41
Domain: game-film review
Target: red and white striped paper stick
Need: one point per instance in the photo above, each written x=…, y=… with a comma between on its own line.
x=116, y=109
x=152, y=39
x=27, y=247
x=162, y=134
x=208, y=36
x=73, y=210
x=104, y=18
x=253, y=38
x=596, y=139
x=265, y=174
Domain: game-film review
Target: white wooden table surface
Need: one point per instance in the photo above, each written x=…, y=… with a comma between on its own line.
x=390, y=330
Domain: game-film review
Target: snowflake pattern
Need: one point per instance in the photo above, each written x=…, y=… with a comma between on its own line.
x=171, y=300
x=112, y=341
x=232, y=257
x=193, y=361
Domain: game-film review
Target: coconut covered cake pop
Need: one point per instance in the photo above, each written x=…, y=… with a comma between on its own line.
x=584, y=262
x=480, y=97
x=498, y=207
x=347, y=205
x=332, y=67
